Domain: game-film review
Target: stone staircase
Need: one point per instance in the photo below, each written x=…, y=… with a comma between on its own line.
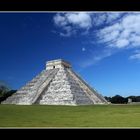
x=79, y=94
x=58, y=91
x=44, y=85
x=64, y=90
x=29, y=93
x=90, y=92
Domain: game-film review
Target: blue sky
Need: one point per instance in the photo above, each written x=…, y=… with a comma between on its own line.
x=103, y=47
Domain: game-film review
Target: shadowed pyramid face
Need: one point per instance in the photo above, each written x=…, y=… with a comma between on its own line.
x=58, y=84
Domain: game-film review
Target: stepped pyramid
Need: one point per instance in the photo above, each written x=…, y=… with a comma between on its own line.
x=58, y=84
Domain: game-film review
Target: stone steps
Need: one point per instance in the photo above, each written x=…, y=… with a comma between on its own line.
x=64, y=88
x=90, y=93
x=27, y=92
x=80, y=95
x=58, y=90
x=44, y=85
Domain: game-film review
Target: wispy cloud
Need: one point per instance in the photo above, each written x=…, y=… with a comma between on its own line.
x=105, y=18
x=112, y=30
x=136, y=55
x=95, y=58
x=124, y=34
x=83, y=20
x=70, y=22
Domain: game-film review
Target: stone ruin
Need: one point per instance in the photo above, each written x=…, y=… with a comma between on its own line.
x=58, y=84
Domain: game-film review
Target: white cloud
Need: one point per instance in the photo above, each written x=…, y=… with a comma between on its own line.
x=110, y=36
x=109, y=33
x=67, y=31
x=135, y=56
x=124, y=34
x=59, y=20
x=82, y=19
x=75, y=21
x=135, y=40
x=99, y=19
x=106, y=17
x=115, y=30
x=113, y=16
x=121, y=43
x=95, y=58
x=131, y=22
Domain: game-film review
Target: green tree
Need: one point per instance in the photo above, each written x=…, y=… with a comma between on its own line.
x=117, y=99
x=5, y=91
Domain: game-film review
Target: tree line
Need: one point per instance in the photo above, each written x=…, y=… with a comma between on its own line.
x=117, y=99
x=5, y=92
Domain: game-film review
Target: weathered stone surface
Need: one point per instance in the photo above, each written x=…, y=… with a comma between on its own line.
x=26, y=94
x=57, y=85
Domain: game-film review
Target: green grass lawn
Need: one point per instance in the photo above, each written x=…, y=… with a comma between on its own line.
x=70, y=116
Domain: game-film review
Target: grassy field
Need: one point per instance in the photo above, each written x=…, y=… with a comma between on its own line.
x=70, y=116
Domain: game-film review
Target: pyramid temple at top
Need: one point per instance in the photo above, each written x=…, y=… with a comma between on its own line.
x=58, y=84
